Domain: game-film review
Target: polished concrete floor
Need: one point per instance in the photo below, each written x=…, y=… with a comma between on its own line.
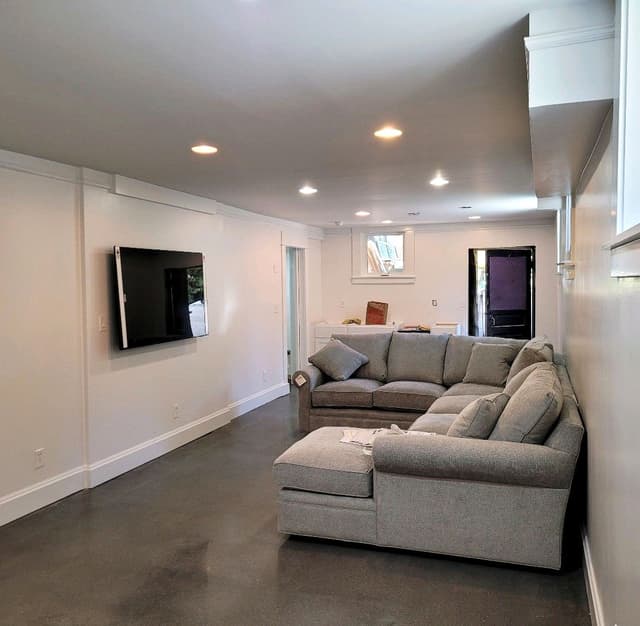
x=191, y=539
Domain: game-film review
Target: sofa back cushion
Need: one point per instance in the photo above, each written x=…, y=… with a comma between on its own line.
x=417, y=356
x=536, y=350
x=489, y=364
x=516, y=381
x=375, y=346
x=337, y=360
x=459, y=352
x=479, y=418
x=532, y=411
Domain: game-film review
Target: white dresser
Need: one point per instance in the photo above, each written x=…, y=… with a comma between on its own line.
x=324, y=331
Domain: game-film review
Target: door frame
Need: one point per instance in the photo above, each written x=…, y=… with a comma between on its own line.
x=471, y=282
x=301, y=290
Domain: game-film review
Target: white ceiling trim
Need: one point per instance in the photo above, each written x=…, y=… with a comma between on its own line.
x=445, y=226
x=569, y=37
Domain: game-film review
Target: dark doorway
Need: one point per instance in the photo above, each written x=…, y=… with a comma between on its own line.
x=502, y=292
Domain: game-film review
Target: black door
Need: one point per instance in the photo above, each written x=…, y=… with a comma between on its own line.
x=510, y=293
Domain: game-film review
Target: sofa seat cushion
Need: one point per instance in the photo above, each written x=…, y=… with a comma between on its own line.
x=472, y=389
x=452, y=404
x=407, y=395
x=375, y=346
x=434, y=423
x=356, y=392
x=417, y=356
x=322, y=464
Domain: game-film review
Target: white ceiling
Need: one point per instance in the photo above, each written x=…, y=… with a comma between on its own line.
x=290, y=91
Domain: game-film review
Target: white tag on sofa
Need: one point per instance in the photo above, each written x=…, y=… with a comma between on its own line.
x=299, y=380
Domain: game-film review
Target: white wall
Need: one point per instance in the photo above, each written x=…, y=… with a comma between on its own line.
x=99, y=411
x=441, y=274
x=40, y=341
x=602, y=344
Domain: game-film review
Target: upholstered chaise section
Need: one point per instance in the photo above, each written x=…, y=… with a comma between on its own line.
x=319, y=463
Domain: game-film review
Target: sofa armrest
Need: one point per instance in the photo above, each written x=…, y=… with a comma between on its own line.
x=479, y=460
x=310, y=377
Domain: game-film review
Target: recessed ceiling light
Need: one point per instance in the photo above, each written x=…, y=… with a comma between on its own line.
x=363, y=213
x=203, y=148
x=388, y=132
x=474, y=217
x=307, y=190
x=386, y=222
x=439, y=181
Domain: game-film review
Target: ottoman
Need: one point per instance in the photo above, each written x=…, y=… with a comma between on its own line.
x=326, y=488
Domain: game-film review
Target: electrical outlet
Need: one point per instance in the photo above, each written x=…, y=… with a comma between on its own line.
x=102, y=324
x=38, y=458
x=434, y=302
x=176, y=411
x=265, y=376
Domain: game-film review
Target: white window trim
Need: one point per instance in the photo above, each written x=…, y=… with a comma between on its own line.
x=626, y=232
x=359, y=264
x=624, y=248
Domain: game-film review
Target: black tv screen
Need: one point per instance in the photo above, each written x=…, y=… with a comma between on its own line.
x=161, y=295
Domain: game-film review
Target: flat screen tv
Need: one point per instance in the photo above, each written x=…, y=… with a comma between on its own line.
x=161, y=295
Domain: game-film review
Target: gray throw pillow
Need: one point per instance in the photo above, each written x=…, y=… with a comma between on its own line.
x=516, y=381
x=479, y=418
x=375, y=346
x=533, y=409
x=536, y=350
x=337, y=360
x=489, y=364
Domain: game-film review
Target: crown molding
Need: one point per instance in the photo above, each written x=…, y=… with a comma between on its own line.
x=443, y=226
x=37, y=166
x=569, y=37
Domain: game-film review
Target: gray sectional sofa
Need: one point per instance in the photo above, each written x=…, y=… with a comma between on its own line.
x=480, y=498
x=407, y=374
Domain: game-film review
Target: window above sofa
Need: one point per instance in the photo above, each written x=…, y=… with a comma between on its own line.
x=382, y=255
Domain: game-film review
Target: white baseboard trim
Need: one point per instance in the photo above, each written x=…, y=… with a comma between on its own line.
x=126, y=460
x=258, y=399
x=34, y=497
x=593, y=595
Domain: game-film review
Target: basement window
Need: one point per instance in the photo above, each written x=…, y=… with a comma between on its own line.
x=379, y=255
x=385, y=253
x=625, y=246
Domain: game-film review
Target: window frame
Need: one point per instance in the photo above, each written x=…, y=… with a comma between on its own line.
x=359, y=260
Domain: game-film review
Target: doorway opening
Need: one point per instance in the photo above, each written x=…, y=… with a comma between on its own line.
x=502, y=292
x=294, y=308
